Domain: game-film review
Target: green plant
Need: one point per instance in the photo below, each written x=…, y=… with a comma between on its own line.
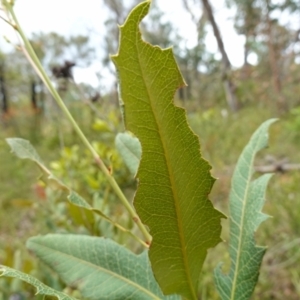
x=171, y=198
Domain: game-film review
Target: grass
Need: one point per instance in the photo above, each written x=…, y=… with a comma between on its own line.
x=222, y=137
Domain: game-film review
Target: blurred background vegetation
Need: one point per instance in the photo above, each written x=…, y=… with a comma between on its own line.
x=224, y=106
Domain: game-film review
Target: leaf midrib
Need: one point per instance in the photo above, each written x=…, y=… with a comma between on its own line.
x=130, y=150
x=173, y=186
x=101, y=269
x=41, y=288
x=234, y=282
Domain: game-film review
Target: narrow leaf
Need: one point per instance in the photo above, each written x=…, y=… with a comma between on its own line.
x=130, y=149
x=174, y=180
x=23, y=149
x=246, y=202
x=41, y=289
x=98, y=267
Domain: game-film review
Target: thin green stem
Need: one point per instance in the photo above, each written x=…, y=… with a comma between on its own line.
x=6, y=21
x=40, y=70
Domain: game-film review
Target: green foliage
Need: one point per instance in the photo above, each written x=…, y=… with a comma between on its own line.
x=74, y=163
x=294, y=124
x=98, y=267
x=130, y=149
x=171, y=163
x=23, y=149
x=171, y=199
x=246, y=202
x=41, y=289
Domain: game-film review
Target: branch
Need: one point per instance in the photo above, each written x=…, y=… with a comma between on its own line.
x=278, y=167
x=190, y=11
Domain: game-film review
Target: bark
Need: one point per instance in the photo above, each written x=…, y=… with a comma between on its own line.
x=190, y=11
x=277, y=165
x=277, y=168
x=5, y=106
x=181, y=94
x=42, y=96
x=273, y=60
x=33, y=96
x=246, y=66
x=228, y=83
x=274, y=67
x=246, y=51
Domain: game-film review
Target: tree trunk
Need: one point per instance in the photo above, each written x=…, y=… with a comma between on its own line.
x=246, y=65
x=228, y=83
x=5, y=106
x=181, y=94
x=246, y=52
x=273, y=60
x=42, y=96
x=33, y=95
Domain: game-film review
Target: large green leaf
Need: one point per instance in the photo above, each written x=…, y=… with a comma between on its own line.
x=246, y=202
x=41, y=289
x=98, y=267
x=174, y=180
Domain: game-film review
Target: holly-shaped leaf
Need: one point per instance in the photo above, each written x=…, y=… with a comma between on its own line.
x=174, y=180
x=246, y=202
